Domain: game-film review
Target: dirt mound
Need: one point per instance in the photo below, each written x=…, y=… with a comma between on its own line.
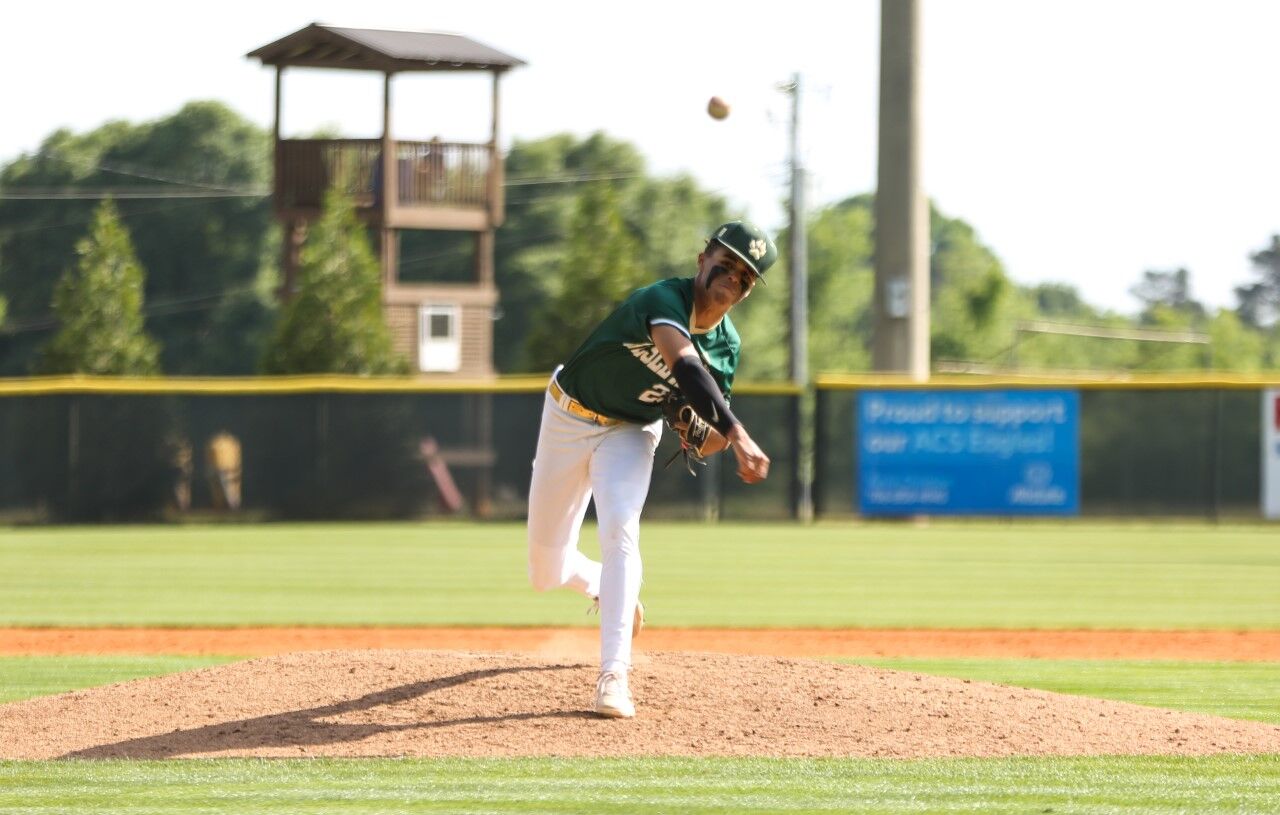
x=452, y=703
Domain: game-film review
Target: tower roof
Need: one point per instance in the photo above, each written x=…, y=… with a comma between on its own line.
x=371, y=49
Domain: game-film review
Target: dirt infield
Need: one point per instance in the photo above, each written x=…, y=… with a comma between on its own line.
x=1243, y=646
x=450, y=703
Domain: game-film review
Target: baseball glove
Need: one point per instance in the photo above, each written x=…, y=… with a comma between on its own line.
x=689, y=426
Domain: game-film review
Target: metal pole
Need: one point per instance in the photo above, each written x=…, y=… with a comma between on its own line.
x=275, y=138
x=390, y=193
x=797, y=266
x=901, y=301
x=797, y=250
x=1215, y=456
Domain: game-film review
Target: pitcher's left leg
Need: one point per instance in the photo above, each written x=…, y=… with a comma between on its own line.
x=620, y=472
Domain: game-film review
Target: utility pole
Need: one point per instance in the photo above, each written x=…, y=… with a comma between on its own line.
x=901, y=302
x=798, y=267
x=797, y=247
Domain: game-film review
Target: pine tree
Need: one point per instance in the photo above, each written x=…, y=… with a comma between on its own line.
x=334, y=323
x=121, y=460
x=99, y=307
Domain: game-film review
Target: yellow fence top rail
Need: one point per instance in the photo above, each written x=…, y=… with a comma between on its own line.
x=329, y=383
x=1189, y=380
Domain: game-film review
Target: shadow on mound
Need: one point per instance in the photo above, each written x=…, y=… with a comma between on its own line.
x=317, y=727
x=449, y=703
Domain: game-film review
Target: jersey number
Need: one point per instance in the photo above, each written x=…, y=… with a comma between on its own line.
x=655, y=394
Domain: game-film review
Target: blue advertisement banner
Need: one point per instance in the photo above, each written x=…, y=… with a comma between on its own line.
x=968, y=453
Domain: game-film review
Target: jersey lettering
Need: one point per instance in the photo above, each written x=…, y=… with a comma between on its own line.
x=649, y=354
x=619, y=371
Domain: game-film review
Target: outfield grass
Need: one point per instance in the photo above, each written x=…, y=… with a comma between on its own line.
x=1150, y=786
x=1239, y=690
x=945, y=575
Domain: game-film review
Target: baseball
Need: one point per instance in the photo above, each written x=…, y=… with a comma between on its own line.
x=717, y=108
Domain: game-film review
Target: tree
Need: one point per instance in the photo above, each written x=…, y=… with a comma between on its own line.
x=203, y=254
x=840, y=277
x=1234, y=346
x=1259, y=303
x=1170, y=356
x=99, y=307
x=334, y=321
x=669, y=220
x=972, y=299
x=120, y=453
x=973, y=302
x=1170, y=290
x=601, y=267
x=1059, y=300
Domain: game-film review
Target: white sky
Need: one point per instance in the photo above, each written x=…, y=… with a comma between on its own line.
x=1085, y=140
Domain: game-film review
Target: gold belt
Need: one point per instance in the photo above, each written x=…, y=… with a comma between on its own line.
x=575, y=407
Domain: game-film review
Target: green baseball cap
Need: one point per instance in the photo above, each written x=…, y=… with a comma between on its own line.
x=749, y=242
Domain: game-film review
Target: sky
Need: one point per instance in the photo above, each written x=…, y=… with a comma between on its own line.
x=1084, y=140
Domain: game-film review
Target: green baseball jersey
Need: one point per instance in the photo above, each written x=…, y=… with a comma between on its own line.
x=619, y=372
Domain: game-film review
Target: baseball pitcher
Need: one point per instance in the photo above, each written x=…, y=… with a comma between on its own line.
x=669, y=352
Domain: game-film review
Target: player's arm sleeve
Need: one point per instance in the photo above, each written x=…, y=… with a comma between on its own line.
x=700, y=389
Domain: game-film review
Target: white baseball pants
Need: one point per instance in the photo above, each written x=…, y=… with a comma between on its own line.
x=576, y=459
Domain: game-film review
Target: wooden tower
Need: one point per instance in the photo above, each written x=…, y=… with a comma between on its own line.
x=445, y=329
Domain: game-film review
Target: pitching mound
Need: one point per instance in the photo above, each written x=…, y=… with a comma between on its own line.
x=451, y=703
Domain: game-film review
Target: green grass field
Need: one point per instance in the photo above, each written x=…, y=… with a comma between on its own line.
x=24, y=677
x=960, y=575
x=1148, y=786
x=1030, y=575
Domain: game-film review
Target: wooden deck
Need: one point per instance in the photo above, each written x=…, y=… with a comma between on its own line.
x=437, y=185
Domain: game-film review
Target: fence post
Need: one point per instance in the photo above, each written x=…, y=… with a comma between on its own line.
x=322, y=444
x=1215, y=456
x=483, y=506
x=73, y=452
x=819, y=448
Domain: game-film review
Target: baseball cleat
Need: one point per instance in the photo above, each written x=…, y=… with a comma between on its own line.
x=613, y=698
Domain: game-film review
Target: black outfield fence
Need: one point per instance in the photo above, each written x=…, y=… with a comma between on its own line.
x=103, y=450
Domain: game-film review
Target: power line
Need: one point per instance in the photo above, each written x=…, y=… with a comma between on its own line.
x=124, y=215
x=1110, y=332
x=531, y=180
x=136, y=172
x=120, y=193
x=173, y=305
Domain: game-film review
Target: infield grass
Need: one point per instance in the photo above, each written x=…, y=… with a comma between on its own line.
x=1150, y=786
x=944, y=575
x=24, y=677
x=1238, y=690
